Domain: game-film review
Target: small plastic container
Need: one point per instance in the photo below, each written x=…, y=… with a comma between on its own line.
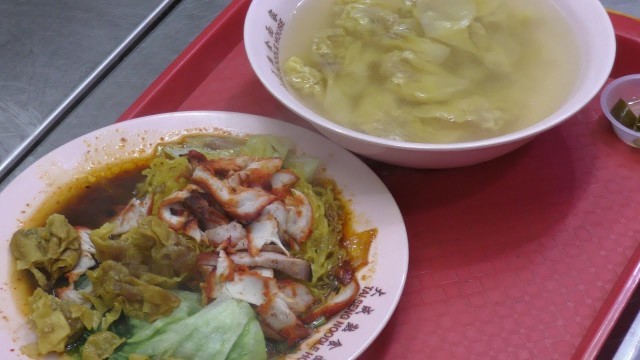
x=628, y=89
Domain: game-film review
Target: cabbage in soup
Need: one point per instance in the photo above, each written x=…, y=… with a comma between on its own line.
x=432, y=71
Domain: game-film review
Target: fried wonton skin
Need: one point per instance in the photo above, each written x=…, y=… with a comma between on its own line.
x=47, y=252
x=57, y=322
x=113, y=284
x=101, y=345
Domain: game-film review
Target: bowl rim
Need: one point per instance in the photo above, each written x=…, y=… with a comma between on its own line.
x=633, y=133
x=605, y=107
x=323, y=124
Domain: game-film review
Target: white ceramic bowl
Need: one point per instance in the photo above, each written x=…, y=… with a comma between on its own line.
x=267, y=21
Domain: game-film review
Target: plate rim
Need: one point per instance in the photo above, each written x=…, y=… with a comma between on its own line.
x=220, y=120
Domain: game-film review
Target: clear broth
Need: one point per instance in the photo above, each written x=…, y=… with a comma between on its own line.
x=545, y=78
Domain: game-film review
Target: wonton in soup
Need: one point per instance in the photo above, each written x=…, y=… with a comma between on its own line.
x=431, y=71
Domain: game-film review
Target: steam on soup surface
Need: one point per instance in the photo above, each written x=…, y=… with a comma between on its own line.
x=435, y=71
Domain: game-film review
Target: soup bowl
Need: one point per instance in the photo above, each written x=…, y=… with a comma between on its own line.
x=266, y=24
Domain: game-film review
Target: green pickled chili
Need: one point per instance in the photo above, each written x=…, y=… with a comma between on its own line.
x=623, y=113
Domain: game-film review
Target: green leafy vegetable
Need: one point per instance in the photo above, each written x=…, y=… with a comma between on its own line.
x=190, y=303
x=266, y=146
x=47, y=252
x=164, y=177
x=224, y=329
x=213, y=147
x=306, y=167
x=217, y=147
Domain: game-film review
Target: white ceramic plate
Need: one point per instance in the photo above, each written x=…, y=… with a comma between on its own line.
x=345, y=336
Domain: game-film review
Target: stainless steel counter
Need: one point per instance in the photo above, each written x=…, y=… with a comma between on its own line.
x=48, y=50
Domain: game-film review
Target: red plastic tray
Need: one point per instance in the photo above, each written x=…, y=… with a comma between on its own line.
x=530, y=256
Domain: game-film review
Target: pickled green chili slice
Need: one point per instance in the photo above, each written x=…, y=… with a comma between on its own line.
x=622, y=112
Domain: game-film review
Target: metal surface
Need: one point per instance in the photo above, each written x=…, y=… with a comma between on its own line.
x=630, y=347
x=630, y=7
x=34, y=90
x=85, y=87
x=48, y=50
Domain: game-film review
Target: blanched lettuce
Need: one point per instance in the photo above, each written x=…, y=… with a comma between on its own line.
x=263, y=145
x=190, y=303
x=164, y=177
x=224, y=329
x=304, y=166
x=217, y=147
x=266, y=146
x=47, y=252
